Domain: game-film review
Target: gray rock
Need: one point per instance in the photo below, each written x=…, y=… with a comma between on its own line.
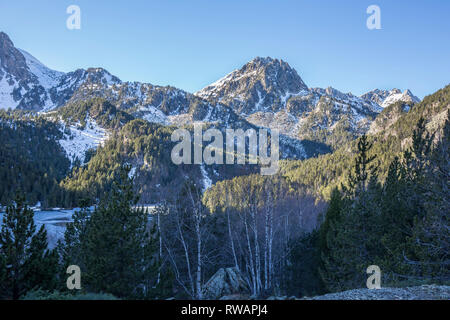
x=225, y=282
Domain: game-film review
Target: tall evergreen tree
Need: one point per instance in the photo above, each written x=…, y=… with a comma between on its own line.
x=119, y=248
x=396, y=221
x=348, y=237
x=363, y=167
x=415, y=209
x=303, y=275
x=24, y=258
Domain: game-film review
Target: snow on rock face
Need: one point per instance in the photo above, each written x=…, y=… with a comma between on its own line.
x=385, y=98
x=132, y=173
x=152, y=114
x=393, y=97
x=79, y=140
x=269, y=93
x=47, y=77
x=28, y=84
x=24, y=81
x=6, y=93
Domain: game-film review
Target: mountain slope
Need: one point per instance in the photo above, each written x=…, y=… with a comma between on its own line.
x=31, y=160
x=91, y=106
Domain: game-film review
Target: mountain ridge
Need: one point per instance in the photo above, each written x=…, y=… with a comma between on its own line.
x=265, y=92
x=27, y=65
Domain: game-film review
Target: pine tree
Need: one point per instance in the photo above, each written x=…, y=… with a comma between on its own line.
x=348, y=239
x=119, y=250
x=334, y=244
x=363, y=167
x=414, y=211
x=42, y=269
x=303, y=278
x=25, y=261
x=3, y=276
x=418, y=155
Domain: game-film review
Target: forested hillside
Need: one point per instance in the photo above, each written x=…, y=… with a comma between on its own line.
x=98, y=109
x=320, y=175
x=399, y=223
x=31, y=160
x=144, y=146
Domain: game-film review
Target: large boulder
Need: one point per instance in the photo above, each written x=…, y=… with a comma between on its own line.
x=225, y=282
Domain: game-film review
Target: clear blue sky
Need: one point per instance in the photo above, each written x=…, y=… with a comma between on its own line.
x=191, y=43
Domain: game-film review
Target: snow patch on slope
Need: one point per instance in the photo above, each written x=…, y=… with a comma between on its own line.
x=384, y=98
x=152, y=114
x=405, y=96
x=80, y=140
x=6, y=97
x=132, y=173
x=211, y=90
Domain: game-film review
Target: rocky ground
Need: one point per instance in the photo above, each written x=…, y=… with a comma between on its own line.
x=228, y=284
x=425, y=292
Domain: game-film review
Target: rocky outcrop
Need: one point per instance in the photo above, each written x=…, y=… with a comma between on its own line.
x=12, y=61
x=388, y=117
x=225, y=282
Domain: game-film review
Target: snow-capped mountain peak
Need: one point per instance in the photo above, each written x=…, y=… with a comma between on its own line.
x=384, y=98
x=260, y=85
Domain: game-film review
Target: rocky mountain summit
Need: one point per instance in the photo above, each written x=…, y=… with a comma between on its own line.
x=263, y=84
x=25, y=83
